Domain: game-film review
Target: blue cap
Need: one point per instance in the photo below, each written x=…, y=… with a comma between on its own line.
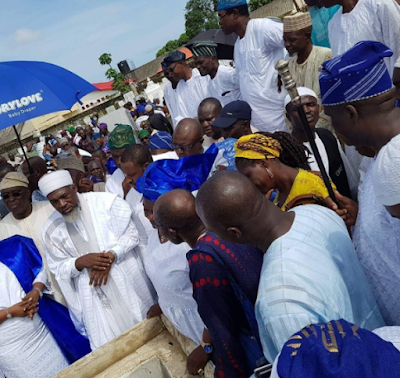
x=161, y=141
x=229, y=4
x=360, y=73
x=338, y=349
x=231, y=113
x=173, y=57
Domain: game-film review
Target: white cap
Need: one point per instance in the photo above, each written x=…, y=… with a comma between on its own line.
x=54, y=181
x=303, y=91
x=386, y=174
x=148, y=108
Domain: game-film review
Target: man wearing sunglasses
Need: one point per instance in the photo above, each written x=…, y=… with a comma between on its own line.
x=26, y=219
x=257, y=50
x=188, y=138
x=192, y=88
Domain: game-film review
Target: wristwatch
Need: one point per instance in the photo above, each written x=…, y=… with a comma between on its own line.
x=9, y=316
x=208, y=348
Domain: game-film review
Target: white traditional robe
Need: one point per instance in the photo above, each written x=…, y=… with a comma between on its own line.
x=370, y=20
x=225, y=82
x=114, y=183
x=128, y=288
x=168, y=269
x=31, y=227
x=256, y=55
x=190, y=94
x=27, y=348
x=171, y=99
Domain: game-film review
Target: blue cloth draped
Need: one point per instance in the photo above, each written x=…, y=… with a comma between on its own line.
x=320, y=20
x=338, y=349
x=21, y=256
x=111, y=166
x=188, y=173
x=229, y=153
x=161, y=141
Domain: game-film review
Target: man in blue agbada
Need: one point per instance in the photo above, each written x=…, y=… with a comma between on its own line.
x=37, y=336
x=337, y=349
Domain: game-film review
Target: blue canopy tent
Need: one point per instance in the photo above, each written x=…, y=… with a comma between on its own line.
x=32, y=89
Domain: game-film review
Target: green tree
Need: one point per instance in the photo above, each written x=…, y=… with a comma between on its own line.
x=255, y=4
x=105, y=59
x=200, y=15
x=118, y=79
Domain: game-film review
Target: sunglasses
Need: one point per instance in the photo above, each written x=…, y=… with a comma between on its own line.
x=7, y=196
x=186, y=148
x=221, y=16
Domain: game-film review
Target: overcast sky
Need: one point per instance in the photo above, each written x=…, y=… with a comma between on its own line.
x=74, y=33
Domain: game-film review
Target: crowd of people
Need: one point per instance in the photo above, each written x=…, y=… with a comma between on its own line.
x=221, y=219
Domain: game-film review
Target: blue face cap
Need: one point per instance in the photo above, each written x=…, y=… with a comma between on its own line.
x=358, y=74
x=231, y=113
x=229, y=4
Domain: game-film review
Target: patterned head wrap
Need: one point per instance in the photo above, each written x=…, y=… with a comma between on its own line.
x=338, y=349
x=360, y=73
x=71, y=129
x=204, y=48
x=229, y=4
x=257, y=147
x=14, y=180
x=121, y=137
x=161, y=141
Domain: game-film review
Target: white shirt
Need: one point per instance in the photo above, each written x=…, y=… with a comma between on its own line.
x=191, y=93
x=171, y=99
x=256, y=55
x=168, y=269
x=27, y=348
x=225, y=81
x=370, y=20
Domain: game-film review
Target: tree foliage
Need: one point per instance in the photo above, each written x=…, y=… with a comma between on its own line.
x=105, y=59
x=255, y=4
x=119, y=83
x=200, y=15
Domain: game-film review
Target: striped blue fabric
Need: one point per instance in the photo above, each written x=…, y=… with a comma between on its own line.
x=360, y=73
x=228, y=4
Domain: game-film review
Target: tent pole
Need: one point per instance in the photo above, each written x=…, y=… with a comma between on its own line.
x=23, y=150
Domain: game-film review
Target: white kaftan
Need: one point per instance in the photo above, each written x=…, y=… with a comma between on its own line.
x=312, y=275
x=168, y=269
x=224, y=83
x=27, y=348
x=190, y=94
x=171, y=99
x=114, y=183
x=370, y=20
x=256, y=55
x=377, y=243
x=31, y=227
x=114, y=231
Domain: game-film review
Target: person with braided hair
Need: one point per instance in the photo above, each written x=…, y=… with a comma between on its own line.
x=278, y=161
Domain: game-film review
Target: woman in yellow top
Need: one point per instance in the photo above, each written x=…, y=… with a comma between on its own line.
x=278, y=161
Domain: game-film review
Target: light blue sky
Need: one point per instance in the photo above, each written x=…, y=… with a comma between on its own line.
x=74, y=33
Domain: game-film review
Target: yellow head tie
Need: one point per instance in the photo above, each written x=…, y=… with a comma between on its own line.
x=257, y=147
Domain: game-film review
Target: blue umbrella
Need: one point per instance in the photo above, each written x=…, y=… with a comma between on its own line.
x=33, y=89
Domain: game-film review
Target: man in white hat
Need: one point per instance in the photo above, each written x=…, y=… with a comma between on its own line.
x=26, y=219
x=90, y=243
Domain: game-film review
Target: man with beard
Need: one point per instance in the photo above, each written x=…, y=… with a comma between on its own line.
x=90, y=241
x=223, y=84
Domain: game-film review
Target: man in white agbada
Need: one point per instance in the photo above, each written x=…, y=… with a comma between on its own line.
x=192, y=88
x=224, y=85
x=170, y=95
x=26, y=219
x=90, y=243
x=257, y=50
x=365, y=20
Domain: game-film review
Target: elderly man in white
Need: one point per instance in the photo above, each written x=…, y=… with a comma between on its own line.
x=90, y=244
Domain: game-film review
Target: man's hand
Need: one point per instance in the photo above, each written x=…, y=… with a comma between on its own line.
x=85, y=186
x=33, y=298
x=24, y=309
x=197, y=360
x=127, y=185
x=96, y=261
x=154, y=311
x=347, y=210
x=99, y=278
